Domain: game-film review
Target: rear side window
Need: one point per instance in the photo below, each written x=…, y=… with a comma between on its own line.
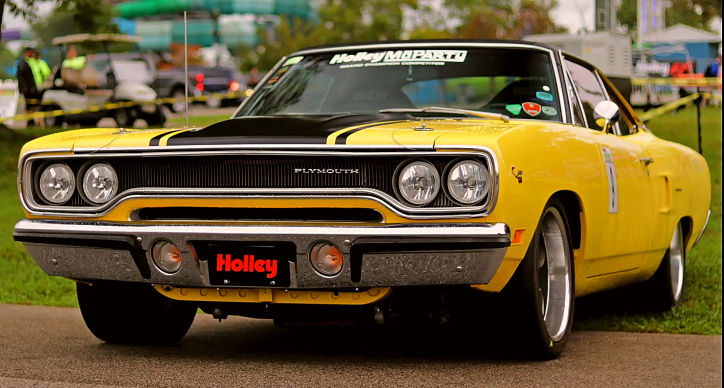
x=589, y=90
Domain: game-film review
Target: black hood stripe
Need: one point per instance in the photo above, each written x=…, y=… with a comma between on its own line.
x=342, y=138
x=156, y=139
x=299, y=129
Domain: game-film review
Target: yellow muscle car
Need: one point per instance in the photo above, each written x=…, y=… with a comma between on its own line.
x=361, y=183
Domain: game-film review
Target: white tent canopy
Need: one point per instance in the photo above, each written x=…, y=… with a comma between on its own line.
x=681, y=33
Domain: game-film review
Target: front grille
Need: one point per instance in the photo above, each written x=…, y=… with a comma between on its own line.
x=259, y=172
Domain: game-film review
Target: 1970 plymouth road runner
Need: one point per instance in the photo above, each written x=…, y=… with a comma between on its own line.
x=365, y=182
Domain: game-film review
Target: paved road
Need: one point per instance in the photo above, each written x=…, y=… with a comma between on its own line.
x=50, y=347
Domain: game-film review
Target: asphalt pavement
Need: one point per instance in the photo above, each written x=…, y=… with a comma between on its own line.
x=51, y=347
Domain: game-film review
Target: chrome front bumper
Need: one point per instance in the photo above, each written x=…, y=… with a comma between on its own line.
x=394, y=255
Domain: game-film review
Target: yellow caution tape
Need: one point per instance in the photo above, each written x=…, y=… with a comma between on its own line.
x=668, y=107
x=711, y=96
x=711, y=81
x=116, y=105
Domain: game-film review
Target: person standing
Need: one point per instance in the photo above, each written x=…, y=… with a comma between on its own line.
x=41, y=70
x=26, y=82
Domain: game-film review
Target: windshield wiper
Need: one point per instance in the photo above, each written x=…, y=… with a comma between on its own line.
x=439, y=109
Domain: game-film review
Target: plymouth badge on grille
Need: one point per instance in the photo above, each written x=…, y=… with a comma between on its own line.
x=326, y=170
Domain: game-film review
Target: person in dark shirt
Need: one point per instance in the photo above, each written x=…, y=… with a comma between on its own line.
x=26, y=83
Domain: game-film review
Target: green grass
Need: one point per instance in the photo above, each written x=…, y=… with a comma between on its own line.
x=22, y=282
x=197, y=121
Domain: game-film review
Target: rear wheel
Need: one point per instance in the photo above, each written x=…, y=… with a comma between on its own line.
x=133, y=314
x=665, y=289
x=124, y=117
x=52, y=121
x=157, y=119
x=179, y=103
x=542, y=290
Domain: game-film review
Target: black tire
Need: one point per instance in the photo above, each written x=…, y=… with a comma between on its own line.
x=664, y=291
x=124, y=117
x=179, y=95
x=524, y=293
x=133, y=314
x=52, y=121
x=157, y=119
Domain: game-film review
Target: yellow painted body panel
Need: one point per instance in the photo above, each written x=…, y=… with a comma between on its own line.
x=616, y=248
x=264, y=295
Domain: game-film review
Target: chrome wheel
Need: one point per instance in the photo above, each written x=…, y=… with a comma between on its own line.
x=554, y=274
x=179, y=103
x=676, y=263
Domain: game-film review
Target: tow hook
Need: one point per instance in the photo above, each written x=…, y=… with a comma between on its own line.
x=218, y=314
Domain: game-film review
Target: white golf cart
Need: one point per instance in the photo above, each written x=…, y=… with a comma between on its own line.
x=103, y=79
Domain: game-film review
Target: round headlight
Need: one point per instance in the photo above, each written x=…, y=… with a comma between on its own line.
x=100, y=183
x=468, y=182
x=57, y=183
x=419, y=183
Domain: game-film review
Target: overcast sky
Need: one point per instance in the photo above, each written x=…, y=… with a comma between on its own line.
x=571, y=13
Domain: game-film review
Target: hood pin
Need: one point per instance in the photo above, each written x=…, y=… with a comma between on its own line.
x=423, y=127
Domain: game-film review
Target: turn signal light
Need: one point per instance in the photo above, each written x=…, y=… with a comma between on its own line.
x=166, y=256
x=326, y=259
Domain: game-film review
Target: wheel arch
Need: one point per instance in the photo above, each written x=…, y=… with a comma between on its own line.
x=687, y=226
x=573, y=209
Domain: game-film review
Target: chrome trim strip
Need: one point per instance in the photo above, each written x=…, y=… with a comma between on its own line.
x=385, y=199
x=420, y=44
x=489, y=230
x=706, y=224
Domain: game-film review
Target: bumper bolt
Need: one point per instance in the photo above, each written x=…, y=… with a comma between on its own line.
x=139, y=239
x=226, y=281
x=271, y=283
x=459, y=268
x=347, y=242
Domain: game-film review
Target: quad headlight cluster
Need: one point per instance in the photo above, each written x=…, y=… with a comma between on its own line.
x=466, y=182
x=57, y=183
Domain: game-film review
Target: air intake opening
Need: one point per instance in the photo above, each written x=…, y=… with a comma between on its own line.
x=316, y=214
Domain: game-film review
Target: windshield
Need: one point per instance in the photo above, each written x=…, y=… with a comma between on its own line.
x=131, y=71
x=518, y=83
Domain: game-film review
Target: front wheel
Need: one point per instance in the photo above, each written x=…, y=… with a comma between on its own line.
x=133, y=314
x=542, y=290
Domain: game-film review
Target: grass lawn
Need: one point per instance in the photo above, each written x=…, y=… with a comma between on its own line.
x=21, y=281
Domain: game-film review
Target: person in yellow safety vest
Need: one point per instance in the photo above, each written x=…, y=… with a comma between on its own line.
x=40, y=68
x=73, y=61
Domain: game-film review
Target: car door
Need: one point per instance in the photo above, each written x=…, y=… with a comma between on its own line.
x=626, y=236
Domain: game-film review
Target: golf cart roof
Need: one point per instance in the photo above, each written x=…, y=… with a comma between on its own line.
x=107, y=38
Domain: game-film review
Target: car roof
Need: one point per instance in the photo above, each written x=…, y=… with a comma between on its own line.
x=432, y=42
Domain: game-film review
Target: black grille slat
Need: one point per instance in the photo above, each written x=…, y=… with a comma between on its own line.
x=272, y=172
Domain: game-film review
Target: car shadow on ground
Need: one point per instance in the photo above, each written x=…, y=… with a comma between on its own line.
x=259, y=340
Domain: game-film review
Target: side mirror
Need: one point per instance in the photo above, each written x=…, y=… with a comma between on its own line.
x=606, y=115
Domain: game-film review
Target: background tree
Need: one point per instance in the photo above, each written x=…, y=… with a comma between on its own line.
x=339, y=22
x=695, y=13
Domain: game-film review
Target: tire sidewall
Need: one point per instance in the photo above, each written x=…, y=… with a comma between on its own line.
x=667, y=263
x=554, y=348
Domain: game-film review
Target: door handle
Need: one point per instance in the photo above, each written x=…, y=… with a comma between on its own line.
x=646, y=161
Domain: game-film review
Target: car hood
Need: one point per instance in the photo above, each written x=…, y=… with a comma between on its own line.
x=394, y=129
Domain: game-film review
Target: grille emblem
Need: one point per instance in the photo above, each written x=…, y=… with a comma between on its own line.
x=326, y=170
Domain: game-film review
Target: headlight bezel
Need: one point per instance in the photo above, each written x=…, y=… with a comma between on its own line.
x=82, y=176
x=396, y=182
x=39, y=174
x=489, y=176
